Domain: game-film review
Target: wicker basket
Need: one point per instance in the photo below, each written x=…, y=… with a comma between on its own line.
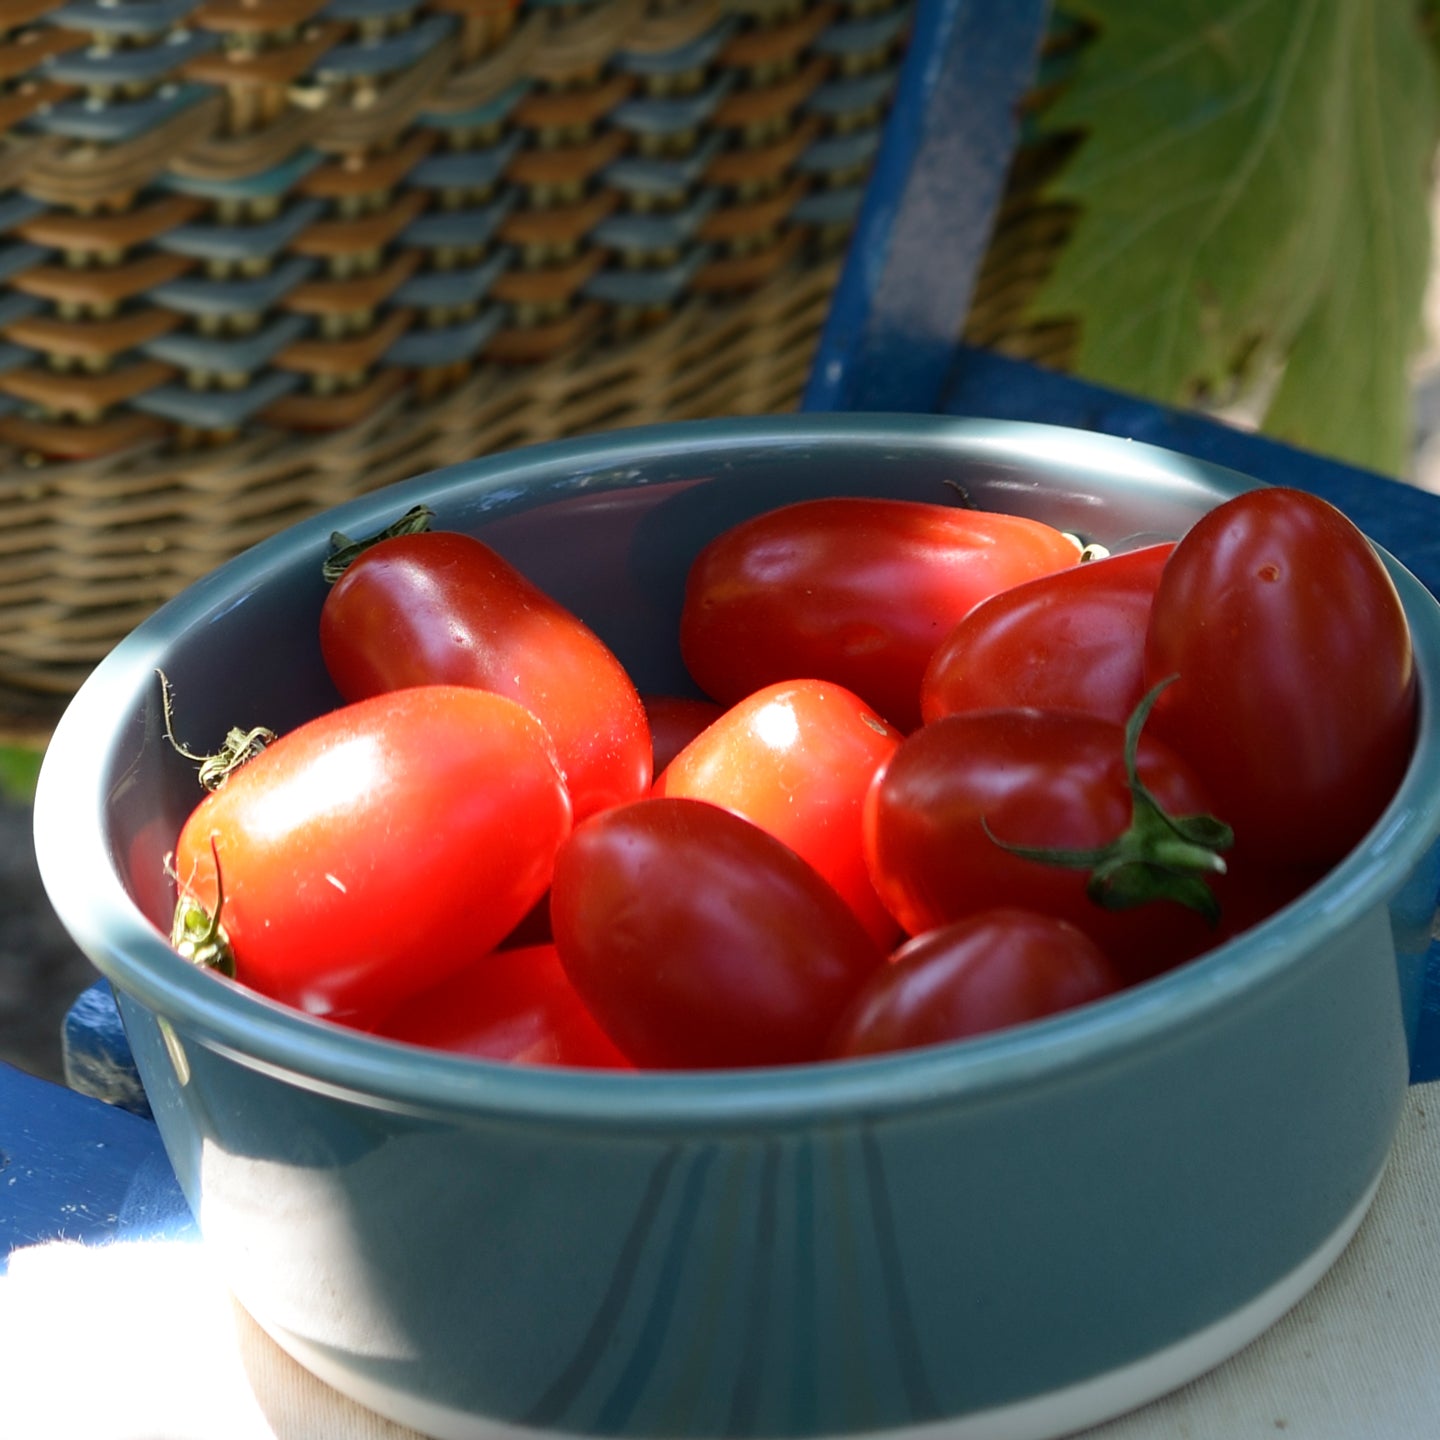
x=258, y=256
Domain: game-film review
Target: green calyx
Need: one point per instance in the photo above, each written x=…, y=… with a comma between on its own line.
x=344, y=550
x=198, y=936
x=196, y=933
x=1158, y=857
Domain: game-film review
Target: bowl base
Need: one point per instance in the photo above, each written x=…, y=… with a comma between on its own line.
x=1048, y=1416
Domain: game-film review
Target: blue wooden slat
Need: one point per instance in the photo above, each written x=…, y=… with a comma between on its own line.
x=1402, y=518
x=75, y=1168
x=96, y=1052
x=929, y=207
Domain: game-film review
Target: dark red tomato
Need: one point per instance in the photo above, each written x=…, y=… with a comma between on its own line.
x=1046, y=779
x=797, y=759
x=1296, y=696
x=1074, y=640
x=675, y=720
x=699, y=941
x=375, y=850
x=852, y=590
x=442, y=608
x=513, y=1005
x=989, y=971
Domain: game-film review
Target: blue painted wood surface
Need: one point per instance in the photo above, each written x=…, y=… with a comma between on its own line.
x=929, y=207
x=96, y=1053
x=75, y=1168
x=1402, y=518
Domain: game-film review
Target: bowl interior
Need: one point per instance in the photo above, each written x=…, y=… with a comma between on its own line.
x=608, y=526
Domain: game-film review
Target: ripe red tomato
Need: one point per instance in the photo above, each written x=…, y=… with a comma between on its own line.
x=516, y=1005
x=443, y=608
x=988, y=971
x=957, y=792
x=1296, y=693
x=374, y=850
x=699, y=941
x=852, y=590
x=1073, y=640
x=797, y=759
x=675, y=720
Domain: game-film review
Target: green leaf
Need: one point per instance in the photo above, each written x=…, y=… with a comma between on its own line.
x=1252, y=194
x=19, y=770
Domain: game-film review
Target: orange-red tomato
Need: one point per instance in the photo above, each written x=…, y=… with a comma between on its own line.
x=797, y=759
x=375, y=850
x=516, y=1005
x=442, y=608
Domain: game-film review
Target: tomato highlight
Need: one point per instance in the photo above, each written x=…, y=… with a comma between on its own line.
x=377, y=848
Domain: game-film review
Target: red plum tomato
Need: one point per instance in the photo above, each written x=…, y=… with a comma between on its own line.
x=376, y=849
x=989, y=971
x=856, y=591
x=797, y=759
x=513, y=1005
x=1074, y=640
x=675, y=720
x=444, y=608
x=959, y=791
x=1296, y=693
x=699, y=941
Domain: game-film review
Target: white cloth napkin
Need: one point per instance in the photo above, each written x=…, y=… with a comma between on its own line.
x=142, y=1341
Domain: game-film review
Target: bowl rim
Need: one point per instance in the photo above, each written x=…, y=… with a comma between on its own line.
x=267, y=1036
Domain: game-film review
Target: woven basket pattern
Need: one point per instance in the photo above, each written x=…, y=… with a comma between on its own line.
x=258, y=256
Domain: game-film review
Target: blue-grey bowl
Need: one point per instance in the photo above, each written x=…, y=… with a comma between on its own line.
x=1013, y=1236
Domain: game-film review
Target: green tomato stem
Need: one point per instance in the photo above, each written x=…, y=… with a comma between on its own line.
x=196, y=934
x=344, y=550
x=1158, y=856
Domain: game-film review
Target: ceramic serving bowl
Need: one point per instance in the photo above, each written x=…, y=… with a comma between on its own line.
x=1010, y=1237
